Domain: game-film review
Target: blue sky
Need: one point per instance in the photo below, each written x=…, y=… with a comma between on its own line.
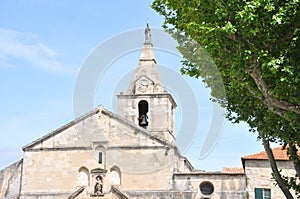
x=43, y=45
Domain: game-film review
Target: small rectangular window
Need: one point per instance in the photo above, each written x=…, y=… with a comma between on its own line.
x=262, y=193
x=100, y=158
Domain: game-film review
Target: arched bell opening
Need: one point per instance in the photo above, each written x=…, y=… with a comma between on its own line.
x=143, y=110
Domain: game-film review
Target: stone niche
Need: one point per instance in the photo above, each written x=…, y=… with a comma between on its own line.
x=97, y=179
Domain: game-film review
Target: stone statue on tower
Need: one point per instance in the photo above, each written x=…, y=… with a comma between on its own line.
x=148, y=34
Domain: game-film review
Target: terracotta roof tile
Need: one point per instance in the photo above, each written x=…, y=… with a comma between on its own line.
x=232, y=170
x=279, y=154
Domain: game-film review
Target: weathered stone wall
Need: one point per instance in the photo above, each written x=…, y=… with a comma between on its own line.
x=10, y=178
x=66, y=160
x=93, y=130
x=161, y=115
x=137, y=162
x=259, y=175
x=181, y=164
x=52, y=166
x=143, y=168
x=167, y=194
x=58, y=171
x=226, y=186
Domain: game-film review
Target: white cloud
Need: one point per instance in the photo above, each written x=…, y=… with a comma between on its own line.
x=26, y=47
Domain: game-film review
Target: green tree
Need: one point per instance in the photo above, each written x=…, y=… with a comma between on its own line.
x=255, y=46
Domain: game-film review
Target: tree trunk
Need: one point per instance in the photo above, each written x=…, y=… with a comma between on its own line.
x=294, y=157
x=274, y=168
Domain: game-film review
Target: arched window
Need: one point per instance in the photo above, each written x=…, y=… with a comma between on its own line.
x=83, y=177
x=188, y=183
x=115, y=176
x=143, y=110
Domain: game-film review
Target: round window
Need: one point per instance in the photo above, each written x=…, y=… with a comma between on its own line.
x=206, y=188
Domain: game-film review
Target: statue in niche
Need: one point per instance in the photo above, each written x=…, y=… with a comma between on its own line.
x=98, y=189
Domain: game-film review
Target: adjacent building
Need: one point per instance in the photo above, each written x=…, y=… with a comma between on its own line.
x=258, y=173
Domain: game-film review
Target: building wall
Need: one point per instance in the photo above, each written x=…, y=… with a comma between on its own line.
x=166, y=194
x=259, y=175
x=57, y=172
x=142, y=167
x=161, y=115
x=226, y=186
x=10, y=179
x=57, y=166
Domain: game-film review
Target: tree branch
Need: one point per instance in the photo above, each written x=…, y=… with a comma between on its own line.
x=286, y=37
x=277, y=111
x=269, y=100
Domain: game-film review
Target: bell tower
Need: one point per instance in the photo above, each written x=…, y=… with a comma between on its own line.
x=146, y=102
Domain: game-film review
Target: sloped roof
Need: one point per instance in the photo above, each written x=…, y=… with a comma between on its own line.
x=232, y=170
x=102, y=110
x=279, y=154
x=60, y=129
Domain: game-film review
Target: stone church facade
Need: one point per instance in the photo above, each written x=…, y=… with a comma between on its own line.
x=129, y=155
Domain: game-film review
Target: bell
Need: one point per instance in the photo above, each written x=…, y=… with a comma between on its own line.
x=143, y=121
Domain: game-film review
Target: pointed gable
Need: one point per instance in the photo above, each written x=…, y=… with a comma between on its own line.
x=97, y=126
